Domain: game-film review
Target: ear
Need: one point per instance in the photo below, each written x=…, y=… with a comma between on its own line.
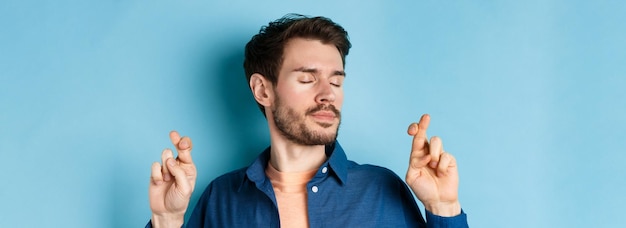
x=262, y=89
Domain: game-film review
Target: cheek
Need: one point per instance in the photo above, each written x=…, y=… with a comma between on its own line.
x=339, y=100
x=292, y=98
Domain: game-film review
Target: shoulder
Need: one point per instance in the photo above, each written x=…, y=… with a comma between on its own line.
x=372, y=174
x=370, y=169
x=380, y=186
x=223, y=187
x=230, y=180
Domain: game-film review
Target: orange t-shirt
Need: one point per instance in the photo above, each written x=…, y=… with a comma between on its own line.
x=290, y=190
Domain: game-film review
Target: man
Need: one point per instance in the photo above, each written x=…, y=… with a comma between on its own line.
x=295, y=69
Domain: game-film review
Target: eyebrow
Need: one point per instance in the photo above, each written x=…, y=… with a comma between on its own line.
x=315, y=71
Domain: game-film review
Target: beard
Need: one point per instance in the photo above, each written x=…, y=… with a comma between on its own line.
x=293, y=126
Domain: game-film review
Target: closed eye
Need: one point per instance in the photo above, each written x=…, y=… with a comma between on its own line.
x=306, y=78
x=336, y=81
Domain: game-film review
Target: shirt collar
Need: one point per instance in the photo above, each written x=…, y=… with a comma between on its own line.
x=337, y=161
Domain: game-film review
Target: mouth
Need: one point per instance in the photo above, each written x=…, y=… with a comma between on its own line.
x=324, y=116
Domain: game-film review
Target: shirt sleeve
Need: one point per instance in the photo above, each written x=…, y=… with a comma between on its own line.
x=149, y=225
x=459, y=221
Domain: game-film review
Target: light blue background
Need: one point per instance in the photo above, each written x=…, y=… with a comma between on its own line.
x=528, y=95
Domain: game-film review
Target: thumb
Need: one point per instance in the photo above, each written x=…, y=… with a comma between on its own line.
x=182, y=183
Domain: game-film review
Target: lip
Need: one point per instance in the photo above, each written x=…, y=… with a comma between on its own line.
x=324, y=115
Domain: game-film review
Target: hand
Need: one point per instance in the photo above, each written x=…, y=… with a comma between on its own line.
x=172, y=183
x=432, y=173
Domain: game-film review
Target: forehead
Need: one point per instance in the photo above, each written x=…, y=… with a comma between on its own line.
x=312, y=53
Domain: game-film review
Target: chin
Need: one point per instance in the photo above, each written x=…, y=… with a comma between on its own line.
x=329, y=133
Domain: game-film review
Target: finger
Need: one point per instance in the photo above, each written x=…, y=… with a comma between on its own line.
x=183, y=146
x=179, y=176
x=445, y=161
x=436, y=148
x=156, y=176
x=423, y=126
x=412, y=129
x=167, y=154
x=420, y=142
x=184, y=150
x=175, y=137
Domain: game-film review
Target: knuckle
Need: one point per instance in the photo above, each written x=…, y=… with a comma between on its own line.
x=186, y=192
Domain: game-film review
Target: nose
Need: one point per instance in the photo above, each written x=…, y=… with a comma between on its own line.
x=325, y=94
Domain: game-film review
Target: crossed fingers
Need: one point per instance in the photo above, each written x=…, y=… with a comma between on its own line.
x=425, y=153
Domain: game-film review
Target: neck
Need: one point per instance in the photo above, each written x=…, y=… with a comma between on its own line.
x=287, y=156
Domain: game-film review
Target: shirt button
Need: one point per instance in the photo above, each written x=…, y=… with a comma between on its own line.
x=324, y=170
x=314, y=189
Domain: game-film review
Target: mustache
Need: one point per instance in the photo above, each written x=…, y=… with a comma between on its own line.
x=324, y=107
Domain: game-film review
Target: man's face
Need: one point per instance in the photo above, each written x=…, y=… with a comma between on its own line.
x=309, y=92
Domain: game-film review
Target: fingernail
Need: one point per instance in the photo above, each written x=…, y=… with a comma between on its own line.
x=170, y=162
x=167, y=177
x=184, y=144
x=433, y=165
x=412, y=128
